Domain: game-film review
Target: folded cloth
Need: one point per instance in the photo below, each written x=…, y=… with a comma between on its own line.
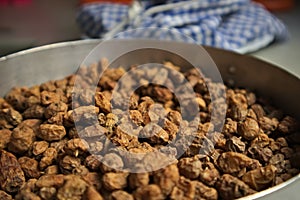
x=238, y=25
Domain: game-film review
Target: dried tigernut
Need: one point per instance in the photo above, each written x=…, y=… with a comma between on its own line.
x=121, y=195
x=11, y=174
x=232, y=162
x=50, y=180
x=230, y=187
x=102, y=102
x=114, y=181
x=209, y=174
x=190, y=167
x=235, y=144
x=260, y=178
x=166, y=179
x=92, y=194
x=5, y=135
x=51, y=132
x=248, y=129
x=73, y=188
x=5, y=196
x=148, y=192
x=287, y=125
x=29, y=166
x=39, y=147
x=48, y=157
x=138, y=179
x=21, y=139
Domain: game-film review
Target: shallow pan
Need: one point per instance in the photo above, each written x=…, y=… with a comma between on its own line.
x=55, y=61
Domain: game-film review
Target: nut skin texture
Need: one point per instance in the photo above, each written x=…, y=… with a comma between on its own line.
x=114, y=181
x=148, y=192
x=232, y=162
x=51, y=132
x=261, y=178
x=11, y=174
x=29, y=166
x=248, y=129
x=21, y=139
x=230, y=187
x=190, y=167
x=166, y=179
x=5, y=135
x=73, y=188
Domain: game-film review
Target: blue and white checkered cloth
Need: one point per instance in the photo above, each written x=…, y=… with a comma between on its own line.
x=238, y=25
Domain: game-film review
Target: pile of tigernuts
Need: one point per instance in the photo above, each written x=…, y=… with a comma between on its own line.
x=43, y=155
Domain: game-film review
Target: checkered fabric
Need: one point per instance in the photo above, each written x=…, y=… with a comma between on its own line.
x=238, y=25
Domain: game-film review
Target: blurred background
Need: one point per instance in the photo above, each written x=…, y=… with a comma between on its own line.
x=30, y=23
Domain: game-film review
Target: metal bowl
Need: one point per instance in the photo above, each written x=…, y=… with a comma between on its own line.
x=56, y=61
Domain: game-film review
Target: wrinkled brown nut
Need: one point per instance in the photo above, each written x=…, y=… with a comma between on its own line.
x=73, y=189
x=76, y=147
x=155, y=134
x=248, y=129
x=268, y=125
x=5, y=135
x=47, y=192
x=278, y=161
x=166, y=179
x=232, y=162
x=111, y=162
x=287, y=125
x=230, y=187
x=49, y=97
x=202, y=191
x=230, y=127
x=29, y=167
x=235, y=144
x=55, y=108
x=261, y=178
x=52, y=169
x=102, y=102
x=92, y=194
x=258, y=109
x=21, y=140
x=136, y=117
x=287, y=152
x=27, y=195
x=121, y=195
x=190, y=167
x=16, y=99
x=209, y=174
x=48, y=157
x=93, y=179
x=11, y=174
x=138, y=179
x=5, y=196
x=274, y=146
x=261, y=140
x=175, y=117
x=171, y=129
x=148, y=192
x=183, y=190
x=50, y=180
x=35, y=111
x=51, y=132
x=238, y=112
x=39, y=147
x=262, y=154
x=12, y=116
x=114, y=181
x=93, y=162
x=69, y=164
